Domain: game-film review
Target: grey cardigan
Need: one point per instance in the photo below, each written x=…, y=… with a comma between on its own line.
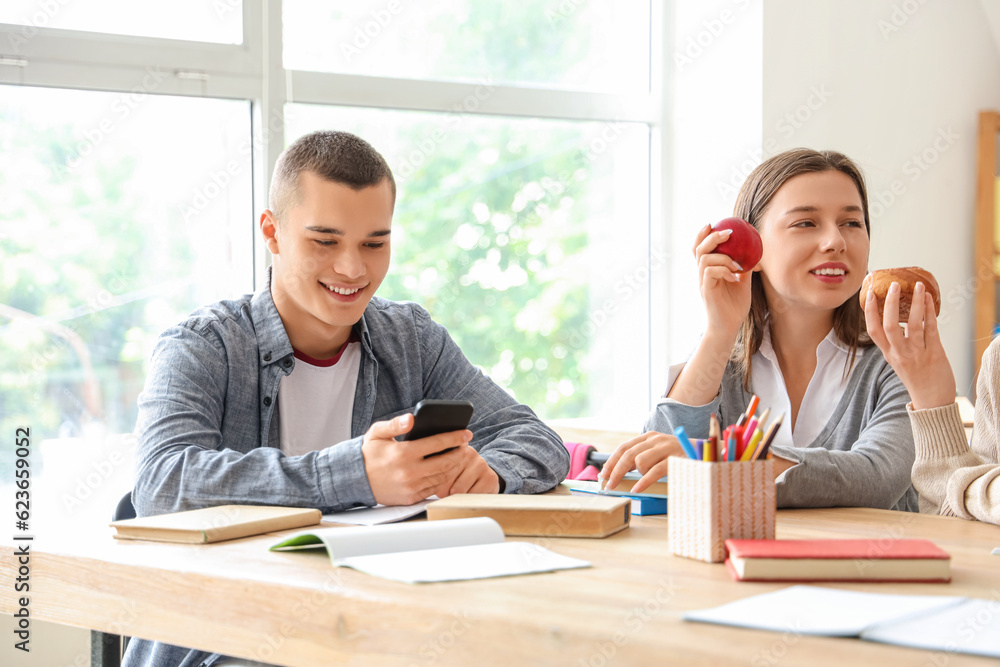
x=862, y=457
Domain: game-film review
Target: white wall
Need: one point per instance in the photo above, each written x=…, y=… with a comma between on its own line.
x=715, y=66
x=897, y=85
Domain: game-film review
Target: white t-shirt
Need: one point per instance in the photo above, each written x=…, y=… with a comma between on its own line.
x=316, y=401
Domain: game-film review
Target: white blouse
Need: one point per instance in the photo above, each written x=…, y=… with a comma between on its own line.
x=826, y=388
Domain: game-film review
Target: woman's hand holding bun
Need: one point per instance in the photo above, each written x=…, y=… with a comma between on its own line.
x=917, y=356
x=907, y=277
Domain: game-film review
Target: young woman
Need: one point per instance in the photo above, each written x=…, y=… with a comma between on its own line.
x=951, y=477
x=791, y=331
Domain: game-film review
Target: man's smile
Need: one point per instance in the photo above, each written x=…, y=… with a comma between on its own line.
x=344, y=293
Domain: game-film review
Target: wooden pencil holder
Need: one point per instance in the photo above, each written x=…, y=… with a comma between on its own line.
x=713, y=502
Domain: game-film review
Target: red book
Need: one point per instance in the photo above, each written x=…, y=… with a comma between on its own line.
x=838, y=560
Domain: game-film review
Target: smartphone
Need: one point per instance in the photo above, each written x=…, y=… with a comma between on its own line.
x=433, y=416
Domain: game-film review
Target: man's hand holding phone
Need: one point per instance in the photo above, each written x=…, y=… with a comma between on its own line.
x=435, y=458
x=435, y=416
x=405, y=472
x=475, y=476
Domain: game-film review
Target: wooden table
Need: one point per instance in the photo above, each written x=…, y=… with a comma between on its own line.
x=295, y=608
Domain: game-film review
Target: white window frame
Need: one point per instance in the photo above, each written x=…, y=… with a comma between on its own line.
x=253, y=70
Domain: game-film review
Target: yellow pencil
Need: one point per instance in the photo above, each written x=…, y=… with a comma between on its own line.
x=753, y=439
x=752, y=446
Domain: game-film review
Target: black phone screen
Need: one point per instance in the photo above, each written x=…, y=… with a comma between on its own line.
x=433, y=416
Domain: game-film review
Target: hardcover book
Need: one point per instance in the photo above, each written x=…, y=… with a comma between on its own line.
x=643, y=504
x=215, y=524
x=549, y=515
x=659, y=487
x=838, y=560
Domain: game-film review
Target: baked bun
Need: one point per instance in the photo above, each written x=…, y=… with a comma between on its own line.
x=907, y=277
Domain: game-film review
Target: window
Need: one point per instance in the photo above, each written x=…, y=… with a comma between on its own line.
x=122, y=213
x=133, y=169
x=520, y=134
x=598, y=46
x=195, y=20
x=521, y=236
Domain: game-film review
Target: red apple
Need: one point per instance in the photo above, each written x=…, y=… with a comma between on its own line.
x=743, y=245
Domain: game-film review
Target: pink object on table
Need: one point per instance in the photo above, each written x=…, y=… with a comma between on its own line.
x=578, y=468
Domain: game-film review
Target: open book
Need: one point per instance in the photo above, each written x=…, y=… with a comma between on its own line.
x=942, y=623
x=449, y=550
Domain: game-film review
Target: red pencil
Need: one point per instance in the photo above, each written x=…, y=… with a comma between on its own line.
x=738, y=432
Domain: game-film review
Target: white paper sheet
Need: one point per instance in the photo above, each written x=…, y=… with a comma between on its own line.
x=372, y=516
x=970, y=627
x=813, y=610
x=344, y=543
x=479, y=561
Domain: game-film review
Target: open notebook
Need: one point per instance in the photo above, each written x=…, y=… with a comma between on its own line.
x=942, y=623
x=427, y=551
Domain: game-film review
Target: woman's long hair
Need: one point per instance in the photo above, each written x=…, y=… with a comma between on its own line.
x=754, y=197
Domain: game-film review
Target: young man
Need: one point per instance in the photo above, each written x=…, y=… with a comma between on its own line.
x=294, y=395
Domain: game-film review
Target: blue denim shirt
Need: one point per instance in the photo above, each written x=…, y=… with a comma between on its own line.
x=208, y=419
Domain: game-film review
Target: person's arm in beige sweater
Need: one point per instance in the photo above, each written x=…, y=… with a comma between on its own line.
x=951, y=478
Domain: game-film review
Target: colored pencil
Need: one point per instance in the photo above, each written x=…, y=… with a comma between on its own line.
x=751, y=446
x=713, y=437
x=748, y=432
x=738, y=433
x=762, y=422
x=765, y=444
x=686, y=445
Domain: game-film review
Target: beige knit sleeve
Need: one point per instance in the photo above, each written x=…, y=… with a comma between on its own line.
x=941, y=449
x=952, y=478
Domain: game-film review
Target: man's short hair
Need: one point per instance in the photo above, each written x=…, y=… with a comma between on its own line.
x=340, y=157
